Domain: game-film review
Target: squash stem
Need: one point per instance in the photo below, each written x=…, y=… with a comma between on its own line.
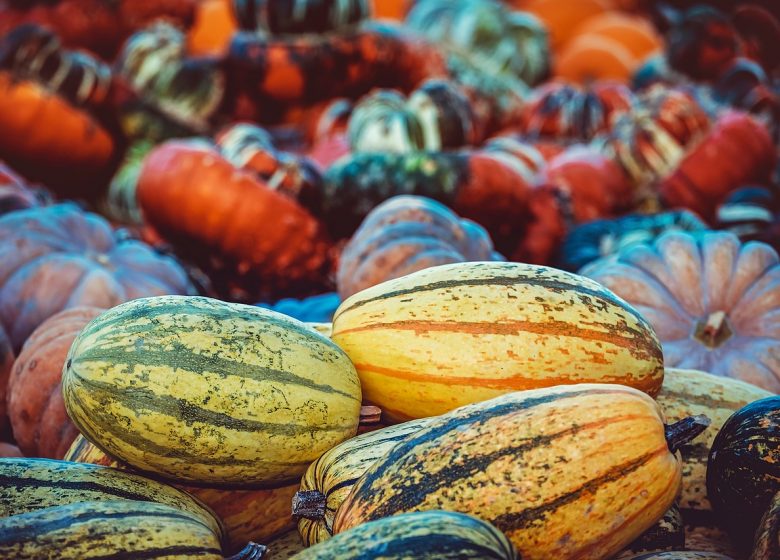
x=252, y=551
x=370, y=415
x=683, y=431
x=714, y=331
x=309, y=504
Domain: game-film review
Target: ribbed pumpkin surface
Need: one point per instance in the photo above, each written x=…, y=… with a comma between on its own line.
x=566, y=472
x=203, y=391
x=455, y=334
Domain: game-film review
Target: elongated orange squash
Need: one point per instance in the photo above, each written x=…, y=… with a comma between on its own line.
x=450, y=335
x=574, y=471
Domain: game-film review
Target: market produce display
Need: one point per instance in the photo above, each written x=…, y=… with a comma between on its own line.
x=390, y=279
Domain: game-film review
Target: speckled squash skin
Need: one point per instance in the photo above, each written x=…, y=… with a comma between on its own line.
x=743, y=472
x=284, y=546
x=247, y=515
x=198, y=390
x=604, y=459
x=337, y=470
x=767, y=542
x=428, y=535
x=668, y=533
x=454, y=334
x=688, y=393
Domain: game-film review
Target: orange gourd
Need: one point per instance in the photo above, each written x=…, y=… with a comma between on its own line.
x=562, y=16
x=633, y=32
x=213, y=27
x=591, y=57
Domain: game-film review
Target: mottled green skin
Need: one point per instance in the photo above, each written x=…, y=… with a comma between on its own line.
x=357, y=184
x=743, y=473
x=439, y=535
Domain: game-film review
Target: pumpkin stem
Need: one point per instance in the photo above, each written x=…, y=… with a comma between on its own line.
x=370, y=415
x=252, y=551
x=714, y=331
x=309, y=504
x=683, y=431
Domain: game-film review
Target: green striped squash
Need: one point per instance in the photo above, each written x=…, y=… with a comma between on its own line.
x=431, y=535
x=202, y=391
x=116, y=530
x=285, y=546
x=450, y=335
x=28, y=485
x=688, y=393
x=767, y=541
x=575, y=471
x=329, y=479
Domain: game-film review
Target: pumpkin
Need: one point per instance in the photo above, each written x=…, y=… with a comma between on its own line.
x=604, y=238
x=198, y=200
x=6, y=363
x=562, y=17
x=9, y=450
x=283, y=18
x=59, y=257
x=214, y=24
x=35, y=406
x=80, y=150
x=635, y=33
x=702, y=43
x=576, y=186
x=565, y=111
x=737, y=150
x=758, y=30
x=744, y=85
x=752, y=214
x=743, y=472
x=712, y=300
x=406, y=234
x=14, y=194
x=592, y=57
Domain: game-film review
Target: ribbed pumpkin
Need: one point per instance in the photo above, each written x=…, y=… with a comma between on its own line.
x=199, y=390
x=712, y=300
x=565, y=472
x=702, y=43
x=454, y=334
x=635, y=33
x=9, y=450
x=591, y=57
x=743, y=472
x=247, y=515
x=14, y=194
x=406, y=234
x=562, y=110
x=198, y=200
x=329, y=479
x=689, y=393
x=35, y=406
x=752, y=213
x=561, y=16
x=427, y=535
x=58, y=257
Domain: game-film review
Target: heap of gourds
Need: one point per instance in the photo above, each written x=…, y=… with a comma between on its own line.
x=516, y=263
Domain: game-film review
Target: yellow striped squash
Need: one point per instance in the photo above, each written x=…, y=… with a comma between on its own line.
x=688, y=393
x=28, y=484
x=247, y=515
x=429, y=535
x=120, y=530
x=574, y=471
x=668, y=533
x=322, y=328
x=199, y=390
x=329, y=479
x=285, y=546
x=450, y=335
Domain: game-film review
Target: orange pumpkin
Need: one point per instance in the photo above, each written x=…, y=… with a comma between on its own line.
x=562, y=17
x=634, y=33
x=201, y=202
x=588, y=58
x=714, y=302
x=212, y=29
x=39, y=420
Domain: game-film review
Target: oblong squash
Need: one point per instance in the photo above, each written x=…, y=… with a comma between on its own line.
x=113, y=529
x=688, y=393
x=454, y=334
x=202, y=391
x=329, y=479
x=256, y=514
x=429, y=535
x=572, y=471
x=668, y=533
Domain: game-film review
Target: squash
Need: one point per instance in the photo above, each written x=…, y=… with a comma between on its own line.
x=707, y=535
x=633, y=32
x=59, y=256
x=9, y=450
x=537, y=464
x=688, y=393
x=202, y=391
x=6, y=363
x=561, y=17
x=743, y=472
x=247, y=515
x=591, y=57
x=328, y=480
x=213, y=25
x=668, y=533
x=767, y=542
x=282, y=18
x=681, y=555
x=702, y=43
x=35, y=406
x=405, y=234
x=454, y=334
x=284, y=546
x=197, y=199
x=14, y=193
x=712, y=300
x=427, y=535
x=752, y=214
x=599, y=239
x=382, y=122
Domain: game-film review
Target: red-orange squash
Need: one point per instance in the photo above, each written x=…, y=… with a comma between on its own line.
x=40, y=423
x=713, y=301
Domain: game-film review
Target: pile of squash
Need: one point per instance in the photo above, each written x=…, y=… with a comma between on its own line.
x=357, y=279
